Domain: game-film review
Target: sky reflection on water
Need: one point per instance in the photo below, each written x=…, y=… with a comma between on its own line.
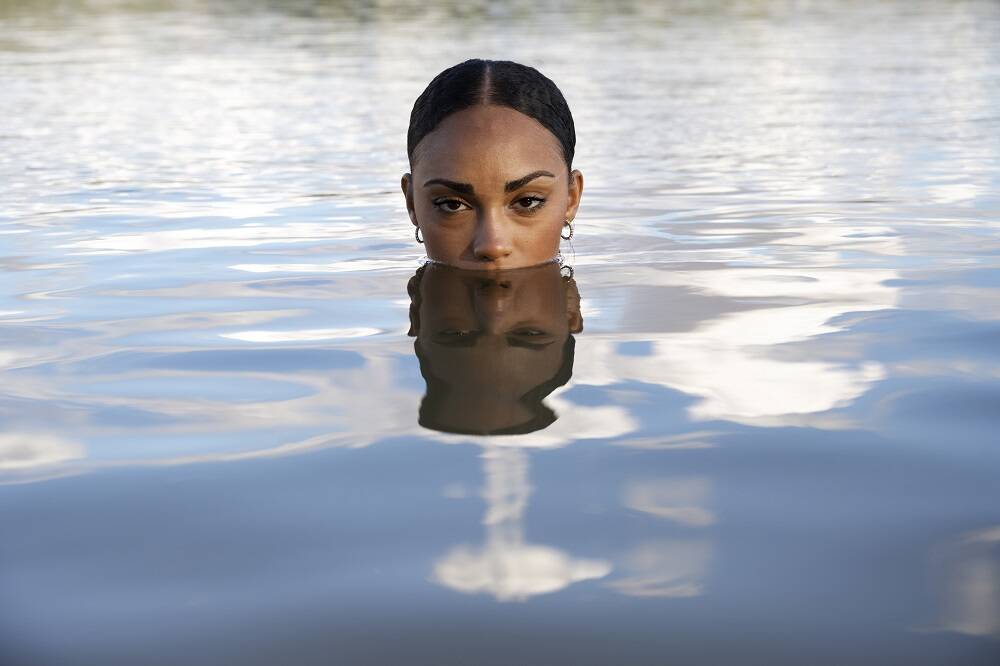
x=778, y=443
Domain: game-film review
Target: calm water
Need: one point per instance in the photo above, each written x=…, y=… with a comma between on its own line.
x=779, y=441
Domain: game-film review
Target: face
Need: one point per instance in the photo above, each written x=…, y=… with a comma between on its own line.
x=490, y=338
x=490, y=190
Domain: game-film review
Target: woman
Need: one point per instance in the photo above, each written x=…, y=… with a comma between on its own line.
x=491, y=184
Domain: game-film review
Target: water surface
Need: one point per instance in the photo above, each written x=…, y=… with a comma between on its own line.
x=778, y=441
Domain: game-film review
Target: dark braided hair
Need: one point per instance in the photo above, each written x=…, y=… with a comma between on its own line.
x=498, y=82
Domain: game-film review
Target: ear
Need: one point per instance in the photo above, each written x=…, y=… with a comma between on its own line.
x=406, y=183
x=575, y=192
x=573, y=315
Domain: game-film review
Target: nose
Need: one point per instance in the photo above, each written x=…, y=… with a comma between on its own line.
x=492, y=241
x=493, y=301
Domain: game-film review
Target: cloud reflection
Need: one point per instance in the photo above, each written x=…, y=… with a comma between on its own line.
x=307, y=335
x=248, y=235
x=731, y=361
x=665, y=568
x=678, y=500
x=506, y=566
x=970, y=571
x=22, y=451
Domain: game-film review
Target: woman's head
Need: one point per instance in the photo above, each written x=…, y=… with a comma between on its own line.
x=491, y=183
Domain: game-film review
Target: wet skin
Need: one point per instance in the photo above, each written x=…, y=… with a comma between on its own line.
x=489, y=338
x=490, y=190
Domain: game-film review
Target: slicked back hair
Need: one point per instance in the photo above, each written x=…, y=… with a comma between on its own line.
x=500, y=82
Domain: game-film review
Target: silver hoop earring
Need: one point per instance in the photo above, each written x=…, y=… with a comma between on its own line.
x=417, y=234
x=566, y=223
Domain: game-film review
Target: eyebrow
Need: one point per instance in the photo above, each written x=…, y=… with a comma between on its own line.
x=466, y=188
x=521, y=182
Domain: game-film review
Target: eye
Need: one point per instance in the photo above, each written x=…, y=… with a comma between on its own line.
x=529, y=337
x=450, y=205
x=456, y=337
x=529, y=203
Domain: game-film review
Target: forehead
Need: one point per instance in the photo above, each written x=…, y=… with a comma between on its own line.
x=488, y=141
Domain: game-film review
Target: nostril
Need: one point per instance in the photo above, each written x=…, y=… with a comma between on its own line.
x=491, y=241
x=491, y=250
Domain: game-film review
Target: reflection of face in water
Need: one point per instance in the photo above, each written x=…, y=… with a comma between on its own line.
x=492, y=345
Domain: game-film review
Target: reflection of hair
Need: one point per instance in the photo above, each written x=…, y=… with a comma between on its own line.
x=433, y=404
x=499, y=82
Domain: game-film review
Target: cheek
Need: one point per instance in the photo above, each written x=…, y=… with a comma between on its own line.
x=446, y=242
x=541, y=236
x=422, y=207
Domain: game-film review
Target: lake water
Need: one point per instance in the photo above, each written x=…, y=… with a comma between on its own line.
x=779, y=441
